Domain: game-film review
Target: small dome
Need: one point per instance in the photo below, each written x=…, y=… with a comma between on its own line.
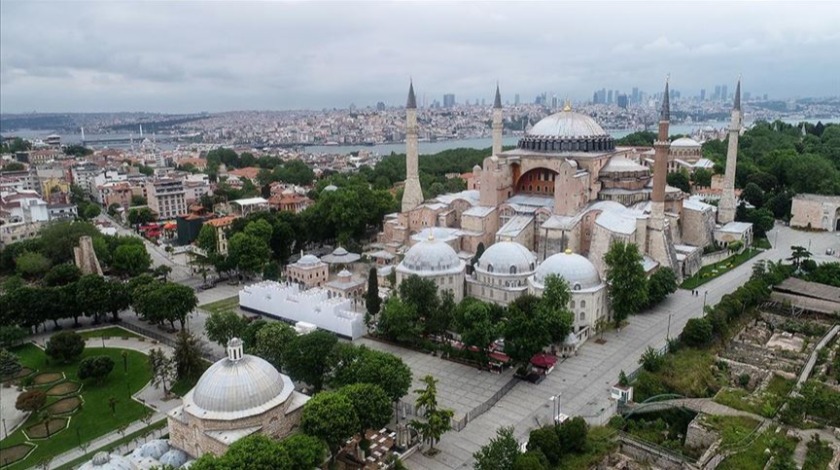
x=506, y=258
x=340, y=251
x=237, y=386
x=174, y=457
x=578, y=271
x=685, y=142
x=308, y=260
x=567, y=124
x=105, y=461
x=154, y=449
x=344, y=274
x=431, y=255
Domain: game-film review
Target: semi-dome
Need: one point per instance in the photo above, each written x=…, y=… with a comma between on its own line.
x=238, y=386
x=567, y=131
x=685, y=142
x=621, y=164
x=578, y=271
x=431, y=255
x=506, y=258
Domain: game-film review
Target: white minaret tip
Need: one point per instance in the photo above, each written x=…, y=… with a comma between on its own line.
x=234, y=349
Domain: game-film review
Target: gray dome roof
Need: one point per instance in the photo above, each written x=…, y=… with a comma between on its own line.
x=308, y=260
x=620, y=164
x=105, y=461
x=685, y=142
x=578, y=271
x=501, y=256
x=567, y=124
x=232, y=389
x=431, y=255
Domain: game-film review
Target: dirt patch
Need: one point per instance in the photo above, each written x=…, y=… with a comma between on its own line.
x=14, y=453
x=39, y=431
x=47, y=378
x=21, y=374
x=64, y=388
x=65, y=405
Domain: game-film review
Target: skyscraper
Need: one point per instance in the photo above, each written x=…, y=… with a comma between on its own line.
x=622, y=101
x=448, y=100
x=702, y=94
x=716, y=96
x=516, y=99
x=724, y=93
x=609, y=97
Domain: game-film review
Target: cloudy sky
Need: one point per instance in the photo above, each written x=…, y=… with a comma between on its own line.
x=225, y=55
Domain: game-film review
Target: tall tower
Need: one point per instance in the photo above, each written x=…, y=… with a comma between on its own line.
x=412, y=192
x=660, y=164
x=497, y=123
x=726, y=208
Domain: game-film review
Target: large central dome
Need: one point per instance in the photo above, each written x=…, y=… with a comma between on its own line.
x=567, y=131
x=429, y=256
x=567, y=124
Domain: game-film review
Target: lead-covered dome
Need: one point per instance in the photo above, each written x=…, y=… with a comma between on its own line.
x=567, y=131
x=578, y=271
x=685, y=142
x=431, y=256
x=237, y=386
x=506, y=258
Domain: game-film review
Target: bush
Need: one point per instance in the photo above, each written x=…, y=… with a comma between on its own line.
x=96, y=367
x=697, y=332
x=744, y=380
x=65, y=347
x=31, y=400
x=9, y=364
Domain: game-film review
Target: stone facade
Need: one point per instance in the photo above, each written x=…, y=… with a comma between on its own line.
x=309, y=274
x=85, y=257
x=817, y=212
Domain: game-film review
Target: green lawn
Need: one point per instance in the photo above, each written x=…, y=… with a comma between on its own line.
x=109, y=332
x=128, y=438
x=754, y=457
x=762, y=243
x=94, y=418
x=231, y=303
x=707, y=273
x=765, y=403
x=733, y=429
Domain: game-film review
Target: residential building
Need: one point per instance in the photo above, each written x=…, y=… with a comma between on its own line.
x=166, y=197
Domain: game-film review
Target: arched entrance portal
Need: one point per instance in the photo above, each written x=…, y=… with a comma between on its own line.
x=537, y=181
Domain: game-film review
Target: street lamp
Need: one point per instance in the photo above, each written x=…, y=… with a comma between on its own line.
x=668, y=332
x=705, y=293
x=555, y=407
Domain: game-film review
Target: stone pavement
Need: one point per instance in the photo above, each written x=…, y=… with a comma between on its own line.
x=461, y=387
x=585, y=380
x=12, y=417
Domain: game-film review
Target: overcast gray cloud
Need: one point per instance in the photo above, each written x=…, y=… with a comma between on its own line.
x=212, y=56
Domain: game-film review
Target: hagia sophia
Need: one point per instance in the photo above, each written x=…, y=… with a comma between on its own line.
x=554, y=205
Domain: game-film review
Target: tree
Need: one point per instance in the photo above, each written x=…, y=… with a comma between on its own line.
x=161, y=302
x=371, y=403
x=188, y=362
x=572, y=434
x=330, y=417
x=118, y=300
x=479, y=250
x=364, y=365
x=59, y=238
x=95, y=367
x=261, y=229
x=753, y=194
x=308, y=357
x=14, y=166
x=500, y=453
x=140, y=216
x=162, y=272
x=91, y=211
x=65, y=347
x=137, y=200
x=270, y=342
x=220, y=327
x=256, y=451
x=248, y=252
x=162, y=369
x=11, y=335
x=651, y=360
x=553, y=308
x=531, y=460
x=372, y=300
x=399, y=321
x=546, y=440
x=626, y=280
x=697, y=332
x=32, y=265
x=9, y=364
x=62, y=274
x=438, y=421
x=304, y=451
x=421, y=294
x=678, y=179
x=799, y=253
x=702, y=177
x=206, y=239
x=92, y=296
x=31, y=400
x=524, y=333
x=474, y=322
x=661, y=284
x=131, y=260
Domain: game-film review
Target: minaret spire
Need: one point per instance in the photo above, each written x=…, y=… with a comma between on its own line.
x=726, y=207
x=497, y=122
x=412, y=192
x=665, y=113
x=660, y=162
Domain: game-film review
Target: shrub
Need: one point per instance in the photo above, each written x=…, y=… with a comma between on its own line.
x=96, y=367
x=9, y=364
x=31, y=400
x=744, y=380
x=697, y=332
x=65, y=347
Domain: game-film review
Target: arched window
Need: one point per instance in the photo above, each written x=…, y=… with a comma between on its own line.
x=576, y=286
x=582, y=316
x=489, y=268
x=513, y=269
x=582, y=304
x=572, y=304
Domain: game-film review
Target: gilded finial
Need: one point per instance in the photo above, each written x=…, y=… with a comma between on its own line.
x=567, y=105
x=431, y=235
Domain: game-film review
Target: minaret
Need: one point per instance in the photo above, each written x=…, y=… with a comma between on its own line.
x=660, y=164
x=497, y=123
x=726, y=208
x=412, y=192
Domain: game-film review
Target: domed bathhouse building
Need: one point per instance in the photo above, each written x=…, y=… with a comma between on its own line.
x=237, y=396
x=566, y=185
x=501, y=273
x=589, y=302
x=436, y=260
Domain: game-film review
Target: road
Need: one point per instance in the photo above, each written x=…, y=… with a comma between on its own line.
x=584, y=380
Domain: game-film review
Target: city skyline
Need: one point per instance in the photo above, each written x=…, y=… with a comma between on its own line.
x=192, y=57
